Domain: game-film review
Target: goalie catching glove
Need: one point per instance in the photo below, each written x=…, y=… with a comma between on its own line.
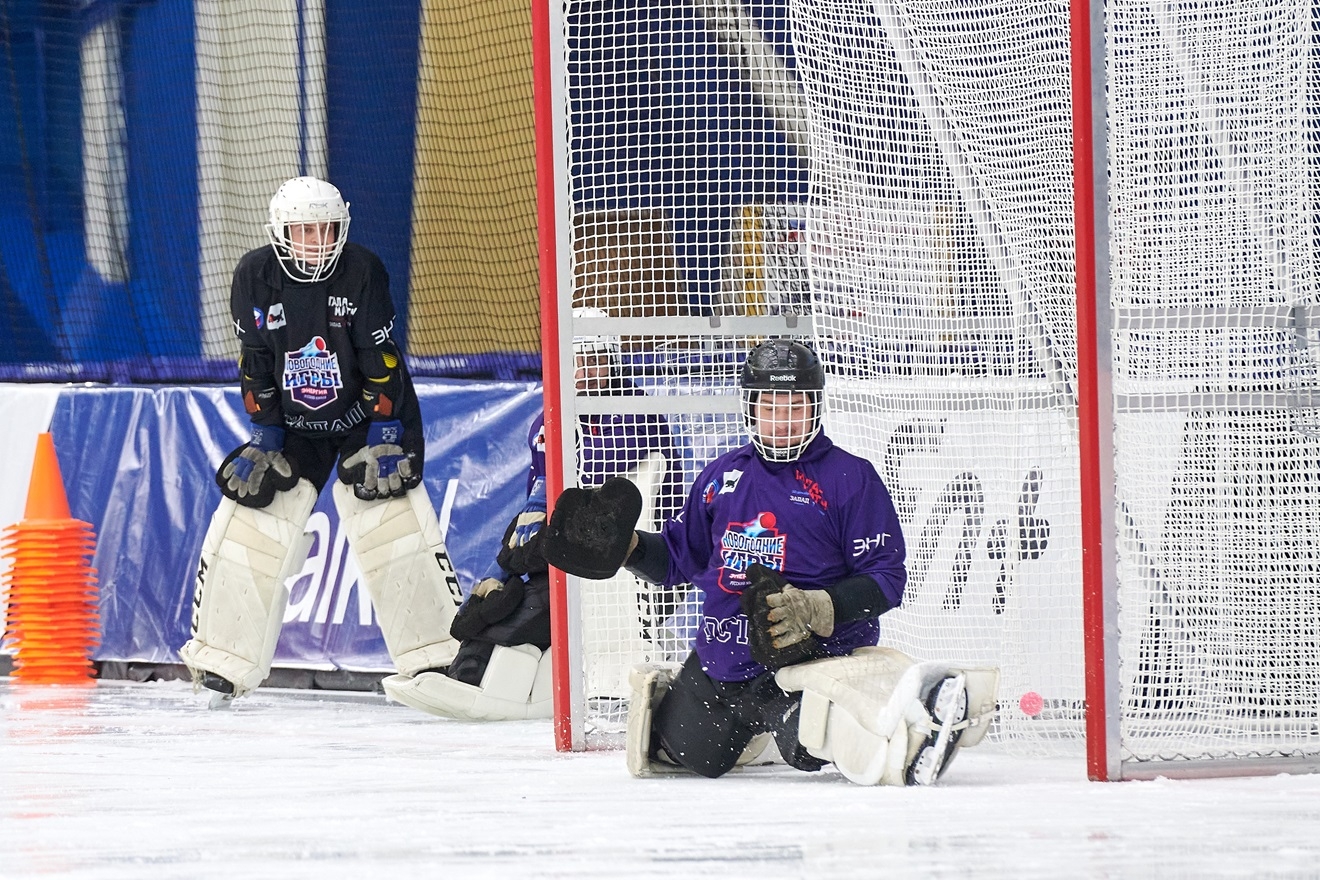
x=381, y=469
x=784, y=620
x=591, y=529
x=255, y=471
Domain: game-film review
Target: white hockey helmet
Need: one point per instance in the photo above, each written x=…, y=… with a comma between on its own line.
x=307, y=201
x=607, y=346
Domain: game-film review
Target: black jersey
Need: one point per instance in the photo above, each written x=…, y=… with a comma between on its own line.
x=317, y=334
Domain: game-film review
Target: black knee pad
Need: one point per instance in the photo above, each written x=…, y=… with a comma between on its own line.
x=469, y=664
x=696, y=727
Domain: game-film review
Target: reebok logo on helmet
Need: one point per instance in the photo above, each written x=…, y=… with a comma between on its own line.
x=788, y=378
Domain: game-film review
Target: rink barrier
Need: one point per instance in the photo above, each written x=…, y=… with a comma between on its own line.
x=139, y=464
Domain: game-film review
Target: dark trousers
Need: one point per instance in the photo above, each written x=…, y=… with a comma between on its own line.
x=704, y=724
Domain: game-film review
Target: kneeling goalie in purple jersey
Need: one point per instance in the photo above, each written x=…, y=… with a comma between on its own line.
x=797, y=551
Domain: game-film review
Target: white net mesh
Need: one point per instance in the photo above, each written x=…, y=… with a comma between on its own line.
x=933, y=251
x=912, y=192
x=1213, y=169
x=941, y=262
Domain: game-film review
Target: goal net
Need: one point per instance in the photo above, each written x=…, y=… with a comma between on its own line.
x=1213, y=198
x=892, y=181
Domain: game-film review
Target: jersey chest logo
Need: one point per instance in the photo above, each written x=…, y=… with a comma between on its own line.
x=758, y=540
x=722, y=485
x=810, y=492
x=311, y=374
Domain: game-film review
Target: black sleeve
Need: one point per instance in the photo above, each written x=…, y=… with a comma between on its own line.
x=857, y=598
x=382, y=380
x=373, y=324
x=261, y=394
x=257, y=363
x=650, y=561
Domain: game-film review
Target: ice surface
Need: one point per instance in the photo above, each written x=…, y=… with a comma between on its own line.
x=142, y=781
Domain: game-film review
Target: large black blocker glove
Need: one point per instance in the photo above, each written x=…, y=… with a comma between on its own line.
x=490, y=602
x=381, y=468
x=591, y=530
x=255, y=471
x=784, y=620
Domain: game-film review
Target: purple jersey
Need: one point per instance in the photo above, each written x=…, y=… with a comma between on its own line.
x=818, y=520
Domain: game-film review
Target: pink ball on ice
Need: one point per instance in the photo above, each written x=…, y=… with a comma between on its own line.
x=1031, y=704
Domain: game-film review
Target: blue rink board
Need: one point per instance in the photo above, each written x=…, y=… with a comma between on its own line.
x=139, y=465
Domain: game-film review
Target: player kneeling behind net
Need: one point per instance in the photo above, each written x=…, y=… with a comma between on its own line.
x=322, y=382
x=797, y=549
x=502, y=669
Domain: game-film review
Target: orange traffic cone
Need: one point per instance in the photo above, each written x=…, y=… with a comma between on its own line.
x=52, y=587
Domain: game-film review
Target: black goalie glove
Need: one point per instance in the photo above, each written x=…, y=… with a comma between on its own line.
x=591, y=529
x=784, y=620
x=490, y=602
x=255, y=471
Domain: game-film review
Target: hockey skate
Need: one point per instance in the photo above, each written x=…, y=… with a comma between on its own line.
x=222, y=690
x=947, y=705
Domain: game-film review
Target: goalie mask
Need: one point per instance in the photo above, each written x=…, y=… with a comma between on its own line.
x=783, y=398
x=595, y=358
x=308, y=227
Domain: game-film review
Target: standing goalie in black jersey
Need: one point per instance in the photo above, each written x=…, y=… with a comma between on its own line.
x=327, y=392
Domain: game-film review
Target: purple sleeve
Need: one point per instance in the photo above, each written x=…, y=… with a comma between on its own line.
x=688, y=536
x=874, y=538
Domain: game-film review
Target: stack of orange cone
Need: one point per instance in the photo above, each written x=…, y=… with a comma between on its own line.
x=52, y=587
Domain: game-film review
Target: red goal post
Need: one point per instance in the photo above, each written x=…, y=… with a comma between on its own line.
x=1106, y=487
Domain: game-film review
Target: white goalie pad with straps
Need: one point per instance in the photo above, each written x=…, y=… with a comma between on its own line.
x=406, y=571
x=515, y=686
x=649, y=683
x=240, y=594
x=883, y=718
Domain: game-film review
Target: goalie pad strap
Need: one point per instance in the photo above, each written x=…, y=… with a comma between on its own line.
x=515, y=686
x=407, y=574
x=240, y=593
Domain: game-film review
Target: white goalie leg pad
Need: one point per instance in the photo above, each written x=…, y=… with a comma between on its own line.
x=515, y=686
x=240, y=594
x=866, y=712
x=649, y=682
x=407, y=573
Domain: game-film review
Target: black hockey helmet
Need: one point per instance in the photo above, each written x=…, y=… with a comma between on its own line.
x=782, y=365
x=788, y=368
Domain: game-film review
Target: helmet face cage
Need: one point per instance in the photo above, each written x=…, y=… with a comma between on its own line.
x=782, y=424
x=600, y=348
x=307, y=201
x=783, y=398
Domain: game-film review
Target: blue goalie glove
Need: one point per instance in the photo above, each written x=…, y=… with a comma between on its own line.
x=255, y=471
x=520, y=551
